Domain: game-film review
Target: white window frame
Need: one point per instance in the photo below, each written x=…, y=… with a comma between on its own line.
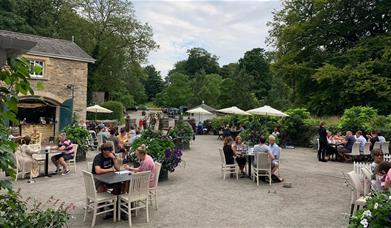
x=35, y=62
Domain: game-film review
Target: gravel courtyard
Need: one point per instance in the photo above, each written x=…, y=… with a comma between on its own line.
x=196, y=196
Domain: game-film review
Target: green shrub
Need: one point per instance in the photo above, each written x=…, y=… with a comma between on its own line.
x=156, y=146
x=78, y=135
x=117, y=114
x=18, y=212
x=181, y=134
x=358, y=118
x=295, y=129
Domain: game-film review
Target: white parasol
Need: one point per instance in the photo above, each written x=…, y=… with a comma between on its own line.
x=234, y=110
x=267, y=111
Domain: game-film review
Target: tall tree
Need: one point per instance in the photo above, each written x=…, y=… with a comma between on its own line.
x=255, y=65
x=177, y=93
x=311, y=35
x=154, y=83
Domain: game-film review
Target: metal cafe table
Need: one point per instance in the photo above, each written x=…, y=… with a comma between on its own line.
x=113, y=177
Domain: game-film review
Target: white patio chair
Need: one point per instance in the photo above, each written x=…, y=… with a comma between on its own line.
x=72, y=162
x=377, y=145
x=89, y=166
x=94, y=200
x=385, y=147
x=153, y=190
x=263, y=167
x=137, y=196
x=227, y=168
x=355, y=150
x=367, y=152
x=357, y=199
x=19, y=167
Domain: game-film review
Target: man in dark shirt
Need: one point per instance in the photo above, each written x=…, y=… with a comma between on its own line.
x=105, y=162
x=348, y=145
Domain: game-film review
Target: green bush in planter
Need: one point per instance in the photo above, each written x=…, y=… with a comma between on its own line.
x=182, y=134
x=156, y=147
x=78, y=135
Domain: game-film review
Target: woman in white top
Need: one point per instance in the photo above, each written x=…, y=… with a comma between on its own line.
x=26, y=160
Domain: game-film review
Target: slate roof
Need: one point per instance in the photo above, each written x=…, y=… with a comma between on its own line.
x=49, y=47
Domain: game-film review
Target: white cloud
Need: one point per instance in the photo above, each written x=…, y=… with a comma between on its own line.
x=225, y=28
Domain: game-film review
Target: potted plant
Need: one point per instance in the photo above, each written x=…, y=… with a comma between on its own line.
x=181, y=135
x=79, y=135
x=160, y=149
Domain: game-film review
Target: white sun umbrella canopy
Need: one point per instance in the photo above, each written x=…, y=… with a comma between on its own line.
x=200, y=111
x=234, y=110
x=267, y=111
x=98, y=109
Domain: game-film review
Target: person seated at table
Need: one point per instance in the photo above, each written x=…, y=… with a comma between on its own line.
x=35, y=136
x=360, y=138
x=261, y=147
x=275, y=149
x=347, y=146
x=338, y=138
x=105, y=162
x=378, y=157
x=28, y=163
x=331, y=147
x=146, y=164
x=113, y=138
x=123, y=136
x=381, y=137
x=384, y=171
x=228, y=152
x=102, y=132
x=373, y=138
x=238, y=147
x=66, y=148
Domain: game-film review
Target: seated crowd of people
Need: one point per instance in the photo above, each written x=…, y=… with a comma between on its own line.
x=338, y=146
x=235, y=149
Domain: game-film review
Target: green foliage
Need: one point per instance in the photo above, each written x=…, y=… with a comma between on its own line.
x=358, y=118
x=376, y=213
x=181, y=134
x=295, y=128
x=14, y=81
x=256, y=66
x=201, y=61
x=335, y=65
x=154, y=83
x=117, y=114
x=17, y=212
x=177, y=93
x=206, y=88
x=80, y=136
x=156, y=146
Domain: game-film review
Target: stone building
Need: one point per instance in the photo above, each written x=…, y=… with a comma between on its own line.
x=60, y=89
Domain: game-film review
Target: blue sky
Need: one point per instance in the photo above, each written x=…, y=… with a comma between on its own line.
x=225, y=28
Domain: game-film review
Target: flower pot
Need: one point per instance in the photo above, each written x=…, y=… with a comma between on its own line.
x=163, y=175
x=81, y=154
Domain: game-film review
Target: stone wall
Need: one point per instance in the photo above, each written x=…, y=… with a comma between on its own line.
x=57, y=75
